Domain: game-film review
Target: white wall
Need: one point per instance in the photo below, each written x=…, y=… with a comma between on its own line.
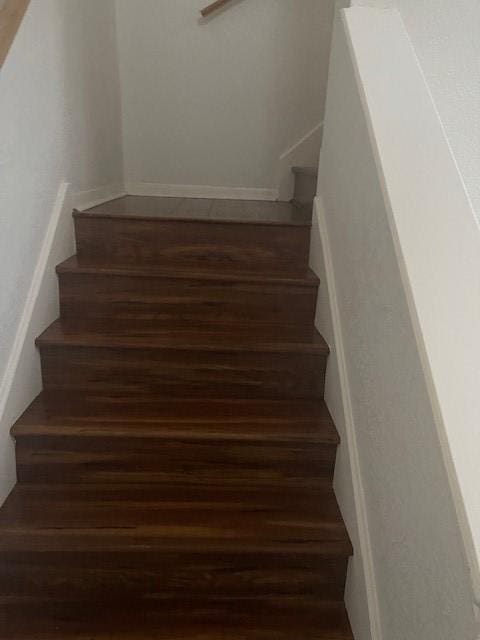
x=59, y=121
x=356, y=594
x=218, y=103
x=404, y=278
x=362, y=611
x=445, y=35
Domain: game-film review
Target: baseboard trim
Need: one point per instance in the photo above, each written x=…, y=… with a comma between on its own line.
x=359, y=493
x=83, y=200
x=22, y=378
x=199, y=191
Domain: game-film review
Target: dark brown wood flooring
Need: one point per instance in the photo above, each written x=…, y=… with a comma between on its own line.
x=175, y=474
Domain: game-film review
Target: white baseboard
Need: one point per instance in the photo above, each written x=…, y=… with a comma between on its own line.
x=83, y=200
x=304, y=153
x=22, y=378
x=358, y=490
x=199, y=191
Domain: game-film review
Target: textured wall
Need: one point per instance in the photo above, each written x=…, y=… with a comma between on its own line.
x=356, y=592
x=59, y=121
x=446, y=39
x=445, y=34
x=421, y=572
x=218, y=103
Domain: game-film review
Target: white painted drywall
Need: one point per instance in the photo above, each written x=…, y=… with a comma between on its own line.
x=406, y=279
x=347, y=483
x=445, y=34
x=360, y=594
x=218, y=103
x=59, y=122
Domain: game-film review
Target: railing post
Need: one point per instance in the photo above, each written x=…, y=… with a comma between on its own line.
x=214, y=7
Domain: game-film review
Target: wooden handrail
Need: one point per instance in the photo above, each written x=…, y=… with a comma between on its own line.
x=214, y=7
x=11, y=15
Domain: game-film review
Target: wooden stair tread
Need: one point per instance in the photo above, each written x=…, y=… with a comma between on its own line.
x=193, y=242
x=233, y=420
x=202, y=520
x=215, y=336
x=254, y=443
x=278, y=618
x=231, y=274
x=65, y=406
x=149, y=291
x=206, y=210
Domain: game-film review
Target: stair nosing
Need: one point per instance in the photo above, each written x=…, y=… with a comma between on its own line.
x=102, y=340
x=85, y=215
x=44, y=343
x=243, y=546
x=104, y=429
x=310, y=280
x=315, y=416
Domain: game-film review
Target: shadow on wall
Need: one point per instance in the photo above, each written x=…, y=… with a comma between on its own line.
x=303, y=102
x=218, y=103
x=59, y=122
x=91, y=92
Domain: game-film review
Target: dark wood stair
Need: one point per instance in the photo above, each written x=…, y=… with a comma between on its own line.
x=219, y=360
x=243, y=236
x=242, y=442
x=104, y=541
x=270, y=618
x=146, y=292
x=175, y=475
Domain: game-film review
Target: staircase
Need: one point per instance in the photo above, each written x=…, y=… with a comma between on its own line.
x=175, y=475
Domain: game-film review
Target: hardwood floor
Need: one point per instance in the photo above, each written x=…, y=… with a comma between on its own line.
x=275, y=618
x=166, y=241
x=244, y=443
x=139, y=293
x=240, y=211
x=175, y=474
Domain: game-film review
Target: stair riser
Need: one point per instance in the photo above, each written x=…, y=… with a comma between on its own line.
x=192, y=244
x=86, y=576
x=146, y=373
x=135, y=298
x=305, y=188
x=275, y=618
x=133, y=460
